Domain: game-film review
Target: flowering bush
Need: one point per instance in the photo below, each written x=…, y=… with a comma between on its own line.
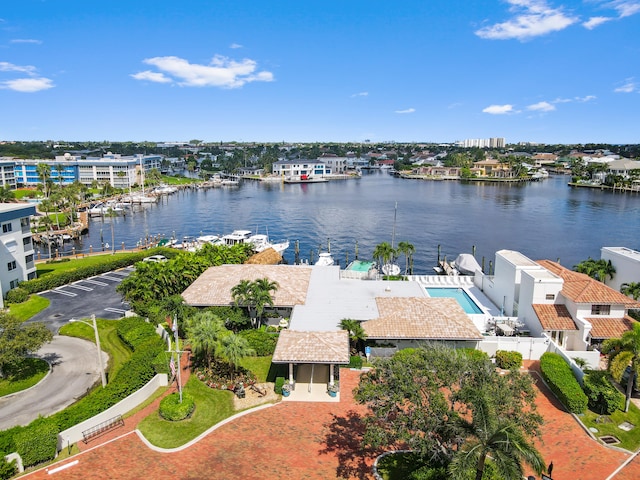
x=221, y=377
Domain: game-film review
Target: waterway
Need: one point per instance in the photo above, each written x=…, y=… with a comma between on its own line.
x=545, y=219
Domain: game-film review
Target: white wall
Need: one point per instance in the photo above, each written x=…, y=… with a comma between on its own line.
x=531, y=348
x=74, y=434
x=626, y=262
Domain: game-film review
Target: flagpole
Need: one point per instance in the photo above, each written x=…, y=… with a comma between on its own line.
x=175, y=333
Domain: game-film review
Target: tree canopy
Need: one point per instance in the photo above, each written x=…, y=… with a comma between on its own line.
x=18, y=340
x=444, y=403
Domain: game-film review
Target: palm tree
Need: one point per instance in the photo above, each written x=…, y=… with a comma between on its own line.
x=6, y=194
x=356, y=332
x=255, y=296
x=631, y=289
x=205, y=332
x=596, y=269
x=59, y=170
x=407, y=249
x=503, y=442
x=624, y=352
x=44, y=172
x=234, y=348
x=384, y=253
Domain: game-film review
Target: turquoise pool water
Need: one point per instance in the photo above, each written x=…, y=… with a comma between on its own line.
x=360, y=266
x=465, y=301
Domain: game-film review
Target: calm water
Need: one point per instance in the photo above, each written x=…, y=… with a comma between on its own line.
x=544, y=219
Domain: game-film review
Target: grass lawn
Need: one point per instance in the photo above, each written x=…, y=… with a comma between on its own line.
x=26, y=375
x=109, y=341
x=25, y=310
x=212, y=406
x=628, y=440
x=44, y=269
x=260, y=366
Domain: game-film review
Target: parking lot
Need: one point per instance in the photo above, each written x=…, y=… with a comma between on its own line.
x=91, y=296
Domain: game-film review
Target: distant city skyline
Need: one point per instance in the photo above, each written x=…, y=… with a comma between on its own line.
x=539, y=71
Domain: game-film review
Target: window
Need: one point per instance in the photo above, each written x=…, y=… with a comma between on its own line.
x=24, y=222
x=550, y=296
x=6, y=227
x=600, y=309
x=14, y=283
x=11, y=265
x=26, y=241
x=28, y=258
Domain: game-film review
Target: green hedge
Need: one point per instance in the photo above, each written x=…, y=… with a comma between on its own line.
x=171, y=409
x=558, y=375
x=355, y=361
x=508, y=360
x=110, y=263
x=135, y=331
x=17, y=295
x=278, y=385
x=37, y=445
x=141, y=367
x=603, y=397
x=260, y=340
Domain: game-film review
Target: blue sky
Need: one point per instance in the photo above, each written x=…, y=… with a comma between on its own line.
x=548, y=71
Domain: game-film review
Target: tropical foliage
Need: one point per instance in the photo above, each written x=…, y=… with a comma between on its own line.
x=597, y=269
x=624, y=352
x=255, y=296
x=453, y=409
x=631, y=289
x=357, y=335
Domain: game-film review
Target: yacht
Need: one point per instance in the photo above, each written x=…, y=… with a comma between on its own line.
x=324, y=260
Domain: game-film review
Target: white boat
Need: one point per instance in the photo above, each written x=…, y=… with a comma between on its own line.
x=229, y=183
x=164, y=190
x=391, y=269
x=105, y=209
x=259, y=242
x=324, y=260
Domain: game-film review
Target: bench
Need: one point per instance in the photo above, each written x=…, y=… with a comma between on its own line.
x=101, y=428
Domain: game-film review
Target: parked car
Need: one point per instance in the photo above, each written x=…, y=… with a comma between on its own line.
x=155, y=258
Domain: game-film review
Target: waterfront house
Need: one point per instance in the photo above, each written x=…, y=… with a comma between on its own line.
x=574, y=310
x=492, y=168
x=626, y=261
x=300, y=169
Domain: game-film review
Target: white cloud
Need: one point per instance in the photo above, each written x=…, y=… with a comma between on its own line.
x=408, y=110
x=586, y=98
x=498, y=109
x=10, y=67
x=542, y=107
x=625, y=8
x=27, y=85
x=594, y=22
x=532, y=18
x=360, y=94
x=150, y=76
x=628, y=87
x=221, y=72
x=235, y=45
x=26, y=40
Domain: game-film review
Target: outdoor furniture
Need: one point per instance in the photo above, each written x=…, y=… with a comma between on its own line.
x=505, y=329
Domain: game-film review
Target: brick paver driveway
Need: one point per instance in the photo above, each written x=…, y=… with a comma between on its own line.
x=317, y=441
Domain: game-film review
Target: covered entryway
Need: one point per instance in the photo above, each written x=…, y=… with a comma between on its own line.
x=312, y=359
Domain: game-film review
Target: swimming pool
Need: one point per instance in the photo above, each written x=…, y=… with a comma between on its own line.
x=360, y=266
x=465, y=301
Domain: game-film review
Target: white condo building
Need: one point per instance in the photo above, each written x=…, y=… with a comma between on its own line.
x=16, y=248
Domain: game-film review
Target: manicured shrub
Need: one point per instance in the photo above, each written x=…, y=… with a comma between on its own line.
x=7, y=469
x=37, y=444
x=261, y=341
x=17, y=295
x=508, y=360
x=171, y=409
x=355, y=361
x=558, y=375
x=278, y=385
x=603, y=397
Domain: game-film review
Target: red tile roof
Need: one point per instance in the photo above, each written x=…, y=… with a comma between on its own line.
x=581, y=288
x=610, y=327
x=554, y=317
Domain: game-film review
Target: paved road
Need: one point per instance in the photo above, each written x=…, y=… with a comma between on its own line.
x=92, y=296
x=74, y=371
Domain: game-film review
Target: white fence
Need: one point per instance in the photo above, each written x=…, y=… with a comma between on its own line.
x=531, y=348
x=74, y=434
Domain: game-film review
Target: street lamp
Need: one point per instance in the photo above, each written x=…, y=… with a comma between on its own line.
x=95, y=330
